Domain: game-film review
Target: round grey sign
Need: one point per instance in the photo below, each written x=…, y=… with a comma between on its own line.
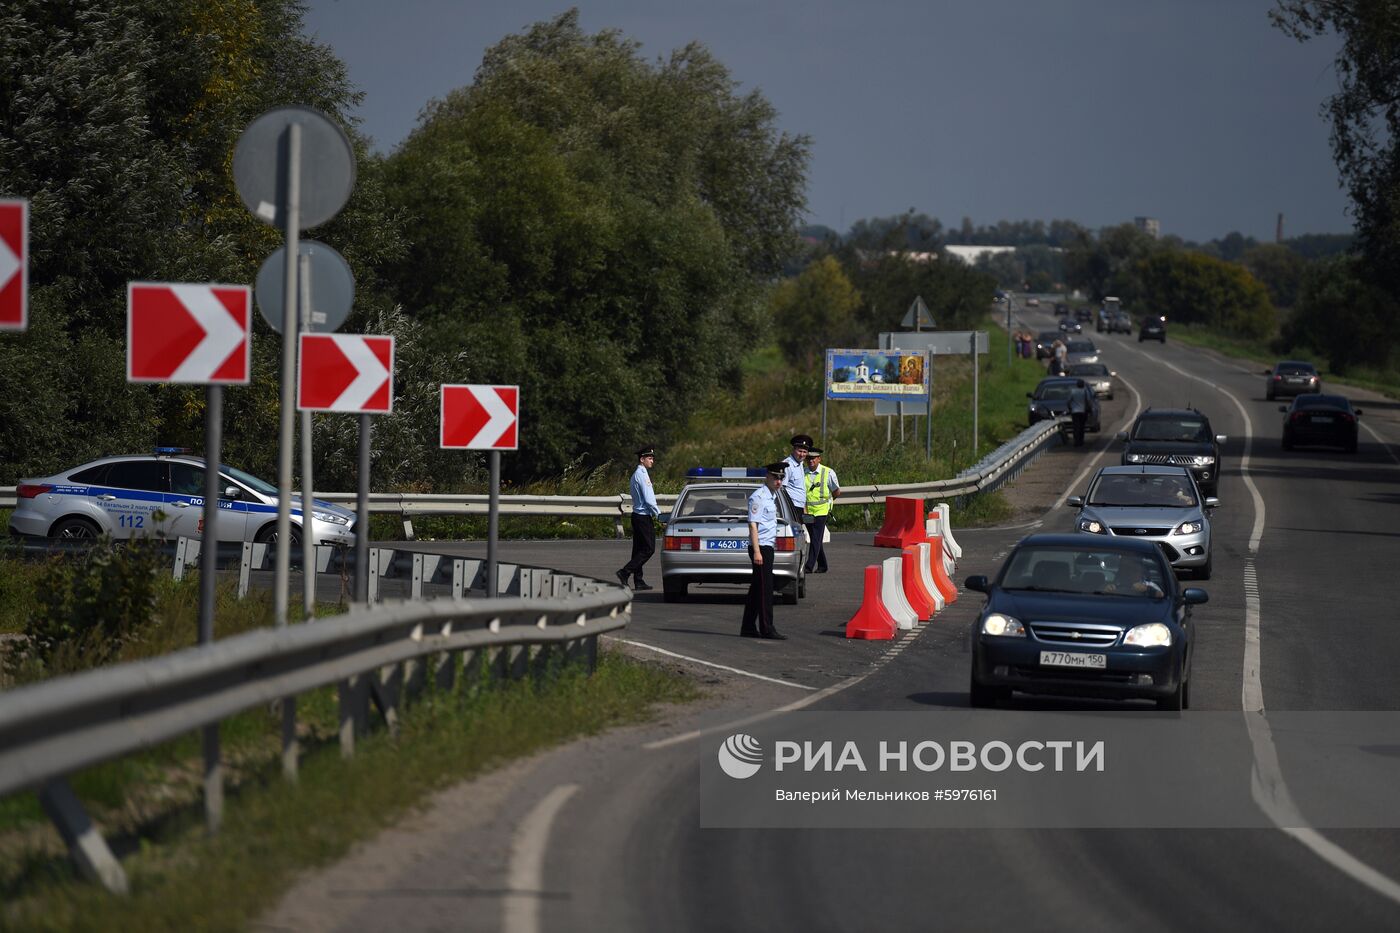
x=327, y=166
x=332, y=287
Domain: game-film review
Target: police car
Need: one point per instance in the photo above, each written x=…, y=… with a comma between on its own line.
x=707, y=536
x=162, y=495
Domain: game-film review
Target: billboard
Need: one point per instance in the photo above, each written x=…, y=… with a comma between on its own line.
x=893, y=375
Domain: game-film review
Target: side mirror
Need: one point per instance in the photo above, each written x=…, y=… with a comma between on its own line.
x=1121, y=436
x=1194, y=596
x=1221, y=438
x=977, y=582
x=1212, y=502
x=1075, y=502
x=1283, y=408
x=232, y=492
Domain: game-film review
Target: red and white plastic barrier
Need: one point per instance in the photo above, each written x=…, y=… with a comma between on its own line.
x=892, y=593
x=927, y=555
x=904, y=590
x=872, y=620
x=945, y=525
x=941, y=580
x=904, y=523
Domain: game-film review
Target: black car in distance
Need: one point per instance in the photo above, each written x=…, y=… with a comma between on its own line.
x=1080, y=615
x=1322, y=420
x=1291, y=377
x=1176, y=437
x=1154, y=328
x=1050, y=401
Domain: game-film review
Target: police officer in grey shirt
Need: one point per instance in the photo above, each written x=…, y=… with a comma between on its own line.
x=763, y=533
x=795, y=477
x=644, y=512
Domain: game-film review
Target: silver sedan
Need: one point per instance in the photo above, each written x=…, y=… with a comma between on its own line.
x=1150, y=503
x=1096, y=376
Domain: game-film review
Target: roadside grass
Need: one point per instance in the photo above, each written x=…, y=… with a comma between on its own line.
x=181, y=878
x=1386, y=383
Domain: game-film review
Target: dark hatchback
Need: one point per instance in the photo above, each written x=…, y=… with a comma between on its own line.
x=1176, y=437
x=1050, y=400
x=1154, y=328
x=1324, y=420
x=1071, y=617
x=1291, y=377
x=1045, y=343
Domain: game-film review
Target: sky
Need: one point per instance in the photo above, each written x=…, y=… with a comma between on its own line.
x=1196, y=112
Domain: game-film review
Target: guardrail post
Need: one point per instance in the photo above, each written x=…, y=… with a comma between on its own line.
x=415, y=589
x=590, y=650
x=352, y=694
x=408, y=528
x=85, y=844
x=245, y=569
x=386, y=687
x=374, y=574
x=178, y=573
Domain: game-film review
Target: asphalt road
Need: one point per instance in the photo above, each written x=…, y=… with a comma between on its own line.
x=605, y=834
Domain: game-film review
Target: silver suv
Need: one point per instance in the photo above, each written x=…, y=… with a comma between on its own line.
x=1161, y=504
x=162, y=495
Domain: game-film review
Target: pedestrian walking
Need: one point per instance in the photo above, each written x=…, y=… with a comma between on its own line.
x=763, y=532
x=644, y=512
x=795, y=477
x=1058, y=357
x=1079, y=402
x=822, y=490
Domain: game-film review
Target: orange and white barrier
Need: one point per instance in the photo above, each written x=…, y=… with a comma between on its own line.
x=919, y=598
x=892, y=593
x=872, y=620
x=927, y=556
x=941, y=580
x=933, y=528
x=945, y=526
x=904, y=523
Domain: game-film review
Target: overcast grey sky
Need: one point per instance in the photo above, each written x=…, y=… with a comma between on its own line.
x=1197, y=112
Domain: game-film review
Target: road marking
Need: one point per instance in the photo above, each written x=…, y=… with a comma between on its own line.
x=1094, y=463
x=521, y=907
x=723, y=667
x=1269, y=789
x=1372, y=431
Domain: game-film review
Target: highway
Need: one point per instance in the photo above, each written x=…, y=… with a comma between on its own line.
x=605, y=834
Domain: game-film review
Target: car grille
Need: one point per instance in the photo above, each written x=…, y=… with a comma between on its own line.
x=1076, y=633
x=1073, y=674
x=1185, y=460
x=1138, y=531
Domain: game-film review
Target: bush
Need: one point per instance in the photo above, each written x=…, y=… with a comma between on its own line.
x=91, y=607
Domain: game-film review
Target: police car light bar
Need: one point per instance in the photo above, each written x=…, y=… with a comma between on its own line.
x=726, y=472
x=172, y=450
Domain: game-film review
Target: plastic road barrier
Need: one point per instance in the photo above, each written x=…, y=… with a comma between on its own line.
x=872, y=620
x=892, y=593
x=920, y=598
x=941, y=580
x=904, y=523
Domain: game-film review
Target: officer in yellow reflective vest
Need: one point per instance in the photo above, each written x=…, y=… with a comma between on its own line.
x=822, y=490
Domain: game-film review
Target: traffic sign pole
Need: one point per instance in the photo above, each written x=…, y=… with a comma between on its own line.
x=308, y=502
x=208, y=569
x=493, y=522
x=291, y=168
x=362, y=522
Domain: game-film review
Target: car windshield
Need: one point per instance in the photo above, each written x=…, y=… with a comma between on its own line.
x=1144, y=489
x=728, y=504
x=1089, y=369
x=1182, y=430
x=248, y=479
x=1058, y=390
x=1088, y=571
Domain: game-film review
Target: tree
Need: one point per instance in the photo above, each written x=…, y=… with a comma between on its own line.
x=1279, y=268
x=1343, y=315
x=1106, y=265
x=815, y=311
x=597, y=227
x=957, y=295
x=1193, y=288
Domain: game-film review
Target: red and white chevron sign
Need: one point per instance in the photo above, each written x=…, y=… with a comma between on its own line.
x=14, y=265
x=346, y=372
x=177, y=332
x=480, y=417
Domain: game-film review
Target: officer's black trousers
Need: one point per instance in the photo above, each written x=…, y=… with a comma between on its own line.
x=758, y=608
x=816, y=556
x=643, y=544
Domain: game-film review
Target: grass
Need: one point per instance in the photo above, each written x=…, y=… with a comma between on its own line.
x=1386, y=383
x=182, y=878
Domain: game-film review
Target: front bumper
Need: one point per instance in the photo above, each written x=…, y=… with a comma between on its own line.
x=1131, y=673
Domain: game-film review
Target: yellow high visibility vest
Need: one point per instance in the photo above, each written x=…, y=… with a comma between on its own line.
x=818, y=491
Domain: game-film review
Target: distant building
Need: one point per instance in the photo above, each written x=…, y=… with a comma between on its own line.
x=1150, y=226
x=970, y=254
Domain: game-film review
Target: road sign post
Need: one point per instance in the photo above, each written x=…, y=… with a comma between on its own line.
x=196, y=334
x=14, y=265
x=482, y=417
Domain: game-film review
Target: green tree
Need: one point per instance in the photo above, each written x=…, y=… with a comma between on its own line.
x=598, y=228
x=957, y=295
x=815, y=311
x=1279, y=268
x=1343, y=315
x=1107, y=265
x=1193, y=288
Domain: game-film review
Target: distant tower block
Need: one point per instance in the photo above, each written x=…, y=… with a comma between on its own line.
x=1149, y=225
x=1278, y=231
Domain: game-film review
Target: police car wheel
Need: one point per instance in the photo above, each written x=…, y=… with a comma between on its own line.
x=76, y=529
x=268, y=534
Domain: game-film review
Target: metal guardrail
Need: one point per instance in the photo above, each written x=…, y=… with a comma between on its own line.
x=379, y=652
x=991, y=471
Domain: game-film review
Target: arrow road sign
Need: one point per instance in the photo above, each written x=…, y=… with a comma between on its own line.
x=346, y=372
x=14, y=265
x=178, y=332
x=480, y=417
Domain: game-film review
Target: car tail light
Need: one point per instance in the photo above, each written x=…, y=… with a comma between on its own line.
x=1346, y=417
x=1277, y=378
x=1296, y=417
x=785, y=544
x=674, y=543
x=30, y=490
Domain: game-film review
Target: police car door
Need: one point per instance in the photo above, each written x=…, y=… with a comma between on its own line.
x=134, y=499
x=187, y=501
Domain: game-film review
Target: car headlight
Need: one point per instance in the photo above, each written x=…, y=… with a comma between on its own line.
x=1202, y=461
x=997, y=624
x=1189, y=528
x=1135, y=458
x=1093, y=526
x=1151, y=635
x=330, y=518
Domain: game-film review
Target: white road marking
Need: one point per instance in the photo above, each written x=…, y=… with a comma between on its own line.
x=723, y=667
x=1270, y=790
x=520, y=910
x=1388, y=449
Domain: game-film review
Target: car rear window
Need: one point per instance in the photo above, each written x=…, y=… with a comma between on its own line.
x=1088, y=369
x=147, y=475
x=1295, y=369
x=1181, y=430
x=716, y=503
x=1059, y=390
x=1321, y=401
x=1081, y=346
